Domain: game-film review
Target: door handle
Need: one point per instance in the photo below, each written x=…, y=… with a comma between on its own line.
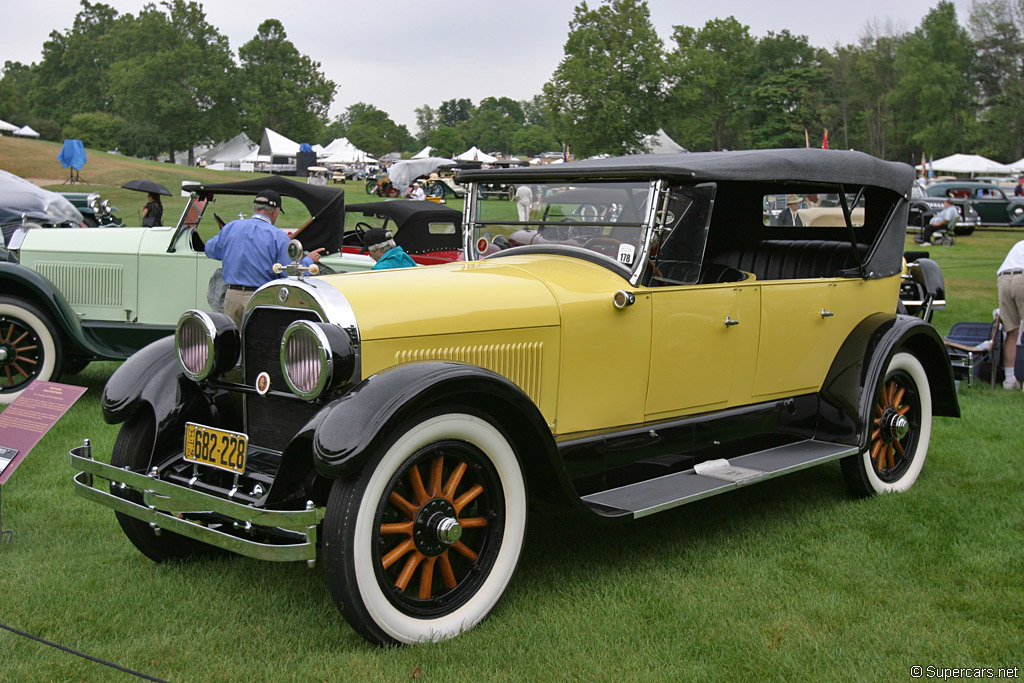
x=826, y=314
x=729, y=322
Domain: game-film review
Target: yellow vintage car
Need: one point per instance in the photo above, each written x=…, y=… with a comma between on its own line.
x=632, y=338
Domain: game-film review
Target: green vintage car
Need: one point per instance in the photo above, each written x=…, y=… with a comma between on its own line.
x=69, y=296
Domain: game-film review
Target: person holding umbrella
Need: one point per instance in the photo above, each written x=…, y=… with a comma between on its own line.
x=153, y=212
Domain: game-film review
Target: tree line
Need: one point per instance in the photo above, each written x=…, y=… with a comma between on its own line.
x=166, y=79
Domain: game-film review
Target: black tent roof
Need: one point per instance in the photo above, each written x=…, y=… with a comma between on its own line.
x=326, y=206
x=401, y=210
x=801, y=165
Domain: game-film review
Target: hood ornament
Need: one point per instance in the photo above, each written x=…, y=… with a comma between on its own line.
x=296, y=269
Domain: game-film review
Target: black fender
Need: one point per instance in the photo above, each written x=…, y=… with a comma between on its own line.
x=347, y=432
x=853, y=378
x=153, y=378
x=17, y=280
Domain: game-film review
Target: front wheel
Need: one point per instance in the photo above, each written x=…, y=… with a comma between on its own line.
x=901, y=427
x=133, y=449
x=423, y=543
x=30, y=347
x=371, y=187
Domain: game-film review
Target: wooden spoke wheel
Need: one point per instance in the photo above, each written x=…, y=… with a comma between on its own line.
x=30, y=347
x=900, y=430
x=422, y=545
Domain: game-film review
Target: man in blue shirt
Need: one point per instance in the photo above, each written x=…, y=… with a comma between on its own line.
x=249, y=248
x=378, y=243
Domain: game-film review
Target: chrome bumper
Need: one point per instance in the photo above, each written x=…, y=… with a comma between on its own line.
x=165, y=504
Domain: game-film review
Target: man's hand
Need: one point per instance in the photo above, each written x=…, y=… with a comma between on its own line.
x=315, y=254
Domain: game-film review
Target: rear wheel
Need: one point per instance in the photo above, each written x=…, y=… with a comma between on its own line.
x=901, y=426
x=423, y=543
x=30, y=347
x=133, y=449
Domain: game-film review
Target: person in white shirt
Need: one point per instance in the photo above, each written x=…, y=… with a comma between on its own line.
x=416, y=192
x=524, y=201
x=1010, y=283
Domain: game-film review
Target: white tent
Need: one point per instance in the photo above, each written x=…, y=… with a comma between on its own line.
x=231, y=151
x=341, y=151
x=424, y=153
x=968, y=163
x=8, y=127
x=26, y=132
x=1018, y=166
x=474, y=154
x=276, y=145
x=661, y=143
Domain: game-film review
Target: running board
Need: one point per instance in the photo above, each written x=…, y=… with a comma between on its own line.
x=712, y=478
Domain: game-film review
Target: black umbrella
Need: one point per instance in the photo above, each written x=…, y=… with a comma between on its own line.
x=146, y=186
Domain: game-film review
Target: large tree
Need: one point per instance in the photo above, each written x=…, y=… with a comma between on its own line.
x=997, y=27
x=935, y=96
x=280, y=88
x=706, y=104
x=605, y=94
x=176, y=73
x=372, y=130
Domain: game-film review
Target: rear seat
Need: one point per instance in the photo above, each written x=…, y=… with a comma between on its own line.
x=791, y=259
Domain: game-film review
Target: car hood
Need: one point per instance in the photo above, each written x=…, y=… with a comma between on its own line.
x=461, y=297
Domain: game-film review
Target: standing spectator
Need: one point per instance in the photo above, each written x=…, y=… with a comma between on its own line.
x=789, y=216
x=1010, y=283
x=249, y=248
x=524, y=201
x=378, y=243
x=1018, y=191
x=153, y=212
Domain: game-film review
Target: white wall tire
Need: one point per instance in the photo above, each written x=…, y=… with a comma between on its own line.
x=896, y=453
x=431, y=590
x=30, y=347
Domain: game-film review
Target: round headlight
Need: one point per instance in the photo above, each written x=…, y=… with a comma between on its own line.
x=207, y=343
x=315, y=357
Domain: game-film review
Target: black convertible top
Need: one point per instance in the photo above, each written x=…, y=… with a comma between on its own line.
x=326, y=206
x=801, y=164
x=400, y=210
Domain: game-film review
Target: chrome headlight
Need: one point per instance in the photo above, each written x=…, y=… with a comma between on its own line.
x=316, y=357
x=207, y=344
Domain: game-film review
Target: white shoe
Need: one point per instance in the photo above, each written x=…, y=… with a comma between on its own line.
x=1011, y=385
x=926, y=244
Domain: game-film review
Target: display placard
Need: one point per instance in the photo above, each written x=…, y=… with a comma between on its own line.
x=26, y=421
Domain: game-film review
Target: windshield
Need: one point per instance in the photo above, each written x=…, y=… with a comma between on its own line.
x=604, y=218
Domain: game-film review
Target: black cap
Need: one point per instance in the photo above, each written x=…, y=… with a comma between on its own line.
x=270, y=198
x=374, y=236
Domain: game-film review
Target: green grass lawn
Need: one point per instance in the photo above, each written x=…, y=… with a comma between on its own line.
x=788, y=579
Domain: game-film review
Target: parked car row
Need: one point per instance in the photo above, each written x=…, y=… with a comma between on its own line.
x=647, y=342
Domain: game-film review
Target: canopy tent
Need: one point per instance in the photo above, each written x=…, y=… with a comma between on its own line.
x=231, y=152
x=1018, y=166
x=968, y=163
x=276, y=145
x=661, y=143
x=26, y=132
x=474, y=154
x=7, y=127
x=341, y=151
x=402, y=173
x=424, y=153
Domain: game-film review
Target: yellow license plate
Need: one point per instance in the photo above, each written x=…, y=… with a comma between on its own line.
x=215, y=447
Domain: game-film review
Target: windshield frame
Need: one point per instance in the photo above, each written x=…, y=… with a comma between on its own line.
x=648, y=194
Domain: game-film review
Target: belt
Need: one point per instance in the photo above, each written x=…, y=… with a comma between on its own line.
x=243, y=288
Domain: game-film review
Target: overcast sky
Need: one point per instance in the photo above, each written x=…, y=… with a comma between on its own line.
x=400, y=55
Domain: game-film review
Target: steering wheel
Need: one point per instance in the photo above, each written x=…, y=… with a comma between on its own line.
x=609, y=246
x=361, y=228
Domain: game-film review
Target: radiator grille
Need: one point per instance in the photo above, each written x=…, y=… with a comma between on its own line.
x=520, y=363
x=271, y=422
x=86, y=284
